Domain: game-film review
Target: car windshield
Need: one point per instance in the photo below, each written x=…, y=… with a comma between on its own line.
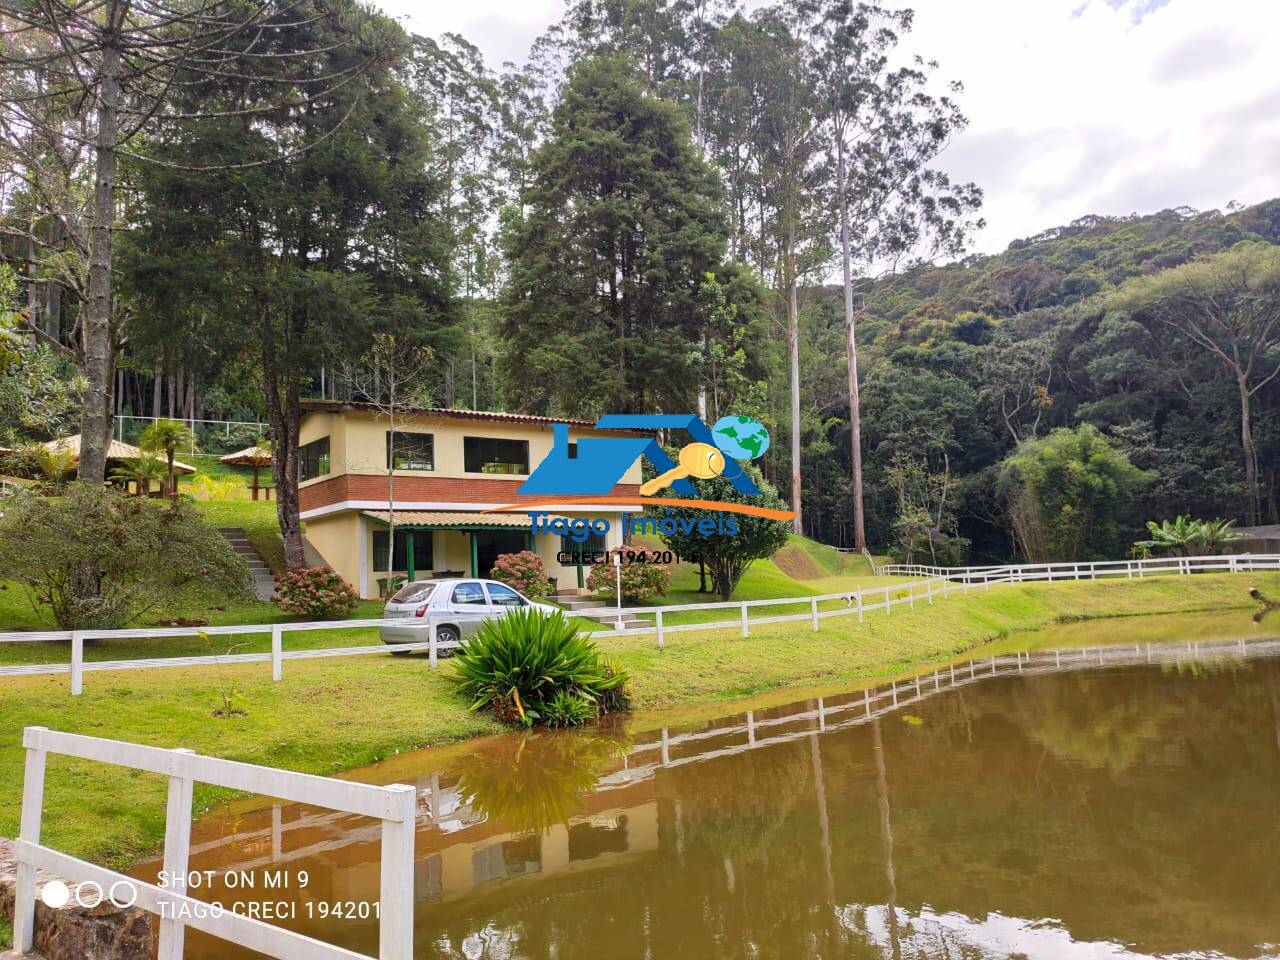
x=414, y=592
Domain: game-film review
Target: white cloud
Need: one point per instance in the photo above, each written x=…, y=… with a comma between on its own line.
x=1076, y=106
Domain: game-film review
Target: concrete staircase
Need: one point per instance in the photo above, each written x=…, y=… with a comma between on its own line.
x=584, y=604
x=264, y=584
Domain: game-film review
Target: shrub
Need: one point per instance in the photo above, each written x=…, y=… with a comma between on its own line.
x=641, y=580
x=523, y=571
x=725, y=555
x=568, y=708
x=1068, y=495
x=316, y=593
x=519, y=665
x=99, y=558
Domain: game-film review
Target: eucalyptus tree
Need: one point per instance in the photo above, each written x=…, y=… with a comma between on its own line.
x=885, y=128
x=98, y=73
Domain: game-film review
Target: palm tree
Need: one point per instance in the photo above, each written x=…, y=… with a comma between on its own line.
x=1179, y=536
x=141, y=470
x=55, y=465
x=1216, y=534
x=1185, y=536
x=165, y=436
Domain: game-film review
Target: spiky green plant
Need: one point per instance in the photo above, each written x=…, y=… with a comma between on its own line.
x=518, y=663
x=165, y=437
x=143, y=471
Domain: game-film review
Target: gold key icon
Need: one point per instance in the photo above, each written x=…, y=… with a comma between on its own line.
x=700, y=460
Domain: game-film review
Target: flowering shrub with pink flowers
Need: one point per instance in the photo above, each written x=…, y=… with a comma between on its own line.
x=642, y=579
x=316, y=593
x=523, y=571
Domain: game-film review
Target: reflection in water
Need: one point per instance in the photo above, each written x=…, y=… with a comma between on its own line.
x=1116, y=804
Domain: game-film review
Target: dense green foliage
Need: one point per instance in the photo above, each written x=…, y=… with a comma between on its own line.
x=726, y=557
x=642, y=217
x=99, y=559
x=965, y=361
x=622, y=222
x=1069, y=493
x=526, y=666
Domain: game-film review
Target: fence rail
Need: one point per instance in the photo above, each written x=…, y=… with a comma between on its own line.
x=1092, y=570
x=395, y=806
x=939, y=583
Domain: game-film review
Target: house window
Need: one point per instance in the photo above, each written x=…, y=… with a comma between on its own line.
x=593, y=544
x=573, y=449
x=491, y=455
x=313, y=459
x=422, y=559
x=410, y=451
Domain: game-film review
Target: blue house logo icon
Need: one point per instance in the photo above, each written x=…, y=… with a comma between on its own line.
x=598, y=463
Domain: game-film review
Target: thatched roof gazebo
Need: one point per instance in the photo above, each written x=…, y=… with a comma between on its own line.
x=117, y=451
x=255, y=457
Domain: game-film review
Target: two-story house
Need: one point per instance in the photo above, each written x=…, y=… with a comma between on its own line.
x=449, y=467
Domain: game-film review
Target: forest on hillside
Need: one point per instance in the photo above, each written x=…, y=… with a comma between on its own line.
x=672, y=205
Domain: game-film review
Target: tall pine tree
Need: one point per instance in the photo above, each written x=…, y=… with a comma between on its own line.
x=621, y=223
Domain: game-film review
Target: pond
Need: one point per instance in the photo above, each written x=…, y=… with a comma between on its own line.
x=1113, y=801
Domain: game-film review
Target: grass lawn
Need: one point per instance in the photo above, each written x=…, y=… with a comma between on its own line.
x=763, y=580
x=331, y=715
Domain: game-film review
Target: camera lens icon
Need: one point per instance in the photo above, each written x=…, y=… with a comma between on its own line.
x=56, y=894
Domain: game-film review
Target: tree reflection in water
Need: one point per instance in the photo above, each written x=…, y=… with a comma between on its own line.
x=1121, y=812
x=530, y=781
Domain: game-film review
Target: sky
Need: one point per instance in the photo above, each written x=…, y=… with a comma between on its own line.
x=1076, y=107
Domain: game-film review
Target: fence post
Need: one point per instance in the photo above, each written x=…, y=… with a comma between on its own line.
x=277, y=652
x=433, y=640
x=24, y=898
x=928, y=587
x=743, y=608
x=177, y=851
x=859, y=596
x=888, y=607
x=77, y=662
x=661, y=636
x=395, y=895
x=813, y=613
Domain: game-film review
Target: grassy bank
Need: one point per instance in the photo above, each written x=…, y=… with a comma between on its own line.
x=329, y=716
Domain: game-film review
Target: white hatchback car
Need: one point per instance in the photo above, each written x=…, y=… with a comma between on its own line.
x=457, y=606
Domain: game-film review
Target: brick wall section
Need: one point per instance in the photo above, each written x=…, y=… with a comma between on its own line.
x=350, y=486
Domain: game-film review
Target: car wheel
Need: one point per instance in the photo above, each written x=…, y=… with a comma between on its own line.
x=447, y=634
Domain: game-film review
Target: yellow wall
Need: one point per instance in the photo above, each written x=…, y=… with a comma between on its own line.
x=337, y=538
x=358, y=443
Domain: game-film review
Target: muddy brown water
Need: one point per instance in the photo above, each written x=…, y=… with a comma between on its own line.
x=1082, y=803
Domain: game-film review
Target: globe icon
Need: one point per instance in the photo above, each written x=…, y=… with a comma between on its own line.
x=741, y=437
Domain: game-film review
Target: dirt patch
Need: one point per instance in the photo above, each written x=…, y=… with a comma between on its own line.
x=797, y=564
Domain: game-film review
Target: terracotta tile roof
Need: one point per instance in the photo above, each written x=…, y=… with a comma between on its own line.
x=352, y=406
x=115, y=451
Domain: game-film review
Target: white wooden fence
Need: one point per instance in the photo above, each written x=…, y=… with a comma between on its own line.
x=1093, y=569
x=939, y=583
x=395, y=806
